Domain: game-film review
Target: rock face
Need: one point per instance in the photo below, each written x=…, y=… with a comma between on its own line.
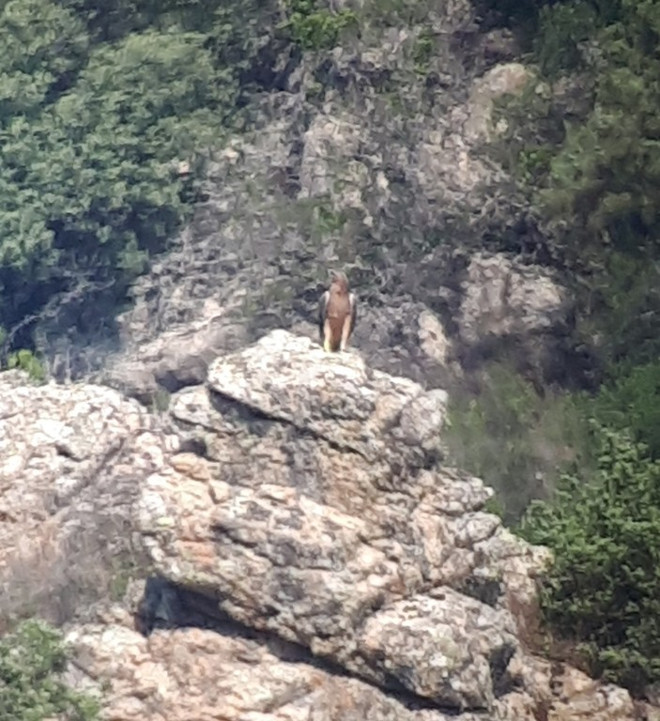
x=360, y=157
x=70, y=459
x=503, y=299
x=311, y=555
x=194, y=674
x=332, y=528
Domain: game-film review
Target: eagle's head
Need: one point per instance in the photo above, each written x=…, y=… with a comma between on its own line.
x=338, y=282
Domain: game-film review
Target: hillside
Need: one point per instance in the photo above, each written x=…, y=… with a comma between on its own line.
x=179, y=177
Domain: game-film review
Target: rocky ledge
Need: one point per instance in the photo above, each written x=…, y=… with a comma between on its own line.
x=311, y=554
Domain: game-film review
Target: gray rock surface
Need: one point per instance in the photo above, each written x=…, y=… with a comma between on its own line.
x=70, y=460
x=502, y=298
x=310, y=554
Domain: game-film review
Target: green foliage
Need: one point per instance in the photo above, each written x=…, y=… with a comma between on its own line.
x=423, y=51
x=89, y=188
x=530, y=128
x=328, y=221
x=603, y=589
x=515, y=440
x=632, y=402
x=607, y=174
x=27, y=361
x=604, y=173
x=590, y=158
x=620, y=307
x=315, y=28
x=31, y=660
x=112, y=20
x=511, y=12
x=397, y=13
x=562, y=29
x=534, y=164
x=43, y=45
x=314, y=217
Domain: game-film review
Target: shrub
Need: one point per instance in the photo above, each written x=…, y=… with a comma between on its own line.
x=88, y=189
x=31, y=660
x=314, y=28
x=27, y=361
x=607, y=174
x=603, y=590
x=632, y=401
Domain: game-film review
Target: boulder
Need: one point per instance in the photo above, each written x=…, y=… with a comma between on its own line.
x=308, y=552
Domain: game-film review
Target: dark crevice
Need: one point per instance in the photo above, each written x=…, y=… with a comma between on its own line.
x=498, y=662
x=165, y=605
x=486, y=590
x=196, y=445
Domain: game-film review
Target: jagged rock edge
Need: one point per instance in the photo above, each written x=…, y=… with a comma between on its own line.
x=217, y=621
x=259, y=414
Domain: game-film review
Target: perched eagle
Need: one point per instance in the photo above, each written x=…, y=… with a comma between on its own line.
x=337, y=314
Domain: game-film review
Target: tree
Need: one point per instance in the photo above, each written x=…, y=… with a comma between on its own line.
x=607, y=175
x=90, y=188
x=43, y=48
x=603, y=590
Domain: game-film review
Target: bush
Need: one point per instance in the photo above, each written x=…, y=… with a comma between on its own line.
x=28, y=362
x=632, y=401
x=314, y=28
x=31, y=660
x=603, y=590
x=607, y=175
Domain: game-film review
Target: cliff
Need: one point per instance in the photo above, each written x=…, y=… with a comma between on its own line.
x=368, y=157
x=297, y=545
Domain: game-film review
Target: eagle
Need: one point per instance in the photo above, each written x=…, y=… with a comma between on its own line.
x=337, y=314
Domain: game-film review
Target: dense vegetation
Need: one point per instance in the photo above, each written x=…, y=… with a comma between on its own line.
x=99, y=106
x=604, y=590
x=594, y=176
x=32, y=659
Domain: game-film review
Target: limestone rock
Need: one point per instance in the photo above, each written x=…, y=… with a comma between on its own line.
x=504, y=79
x=312, y=556
x=433, y=338
x=504, y=298
x=580, y=697
x=195, y=674
x=321, y=521
x=70, y=458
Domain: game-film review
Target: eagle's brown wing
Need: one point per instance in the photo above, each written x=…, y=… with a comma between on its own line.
x=323, y=305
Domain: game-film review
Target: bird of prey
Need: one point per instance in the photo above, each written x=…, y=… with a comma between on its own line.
x=337, y=314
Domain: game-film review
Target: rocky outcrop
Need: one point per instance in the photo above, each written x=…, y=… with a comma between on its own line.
x=503, y=298
x=195, y=674
x=70, y=462
x=311, y=555
x=332, y=528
